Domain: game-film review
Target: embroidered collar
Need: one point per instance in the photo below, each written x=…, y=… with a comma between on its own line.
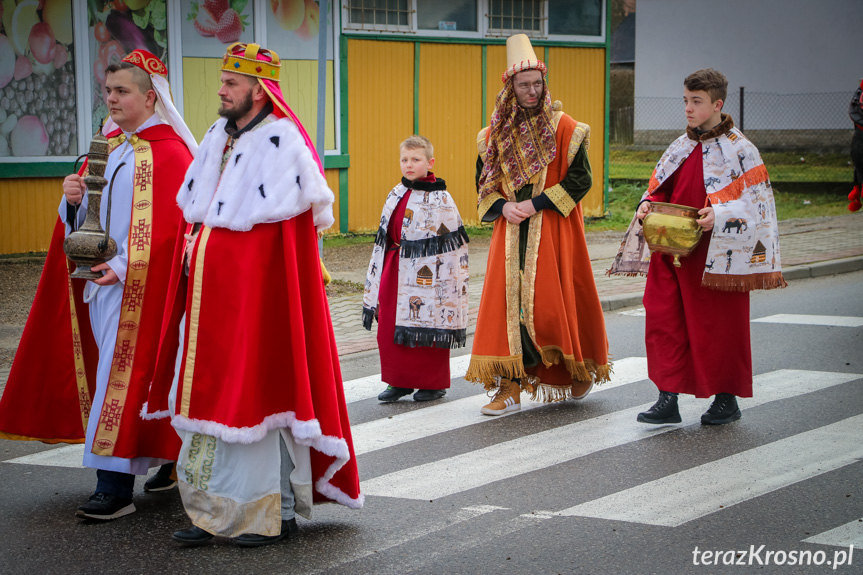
x=231, y=125
x=722, y=128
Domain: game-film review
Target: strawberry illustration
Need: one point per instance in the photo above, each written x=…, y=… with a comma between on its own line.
x=216, y=7
x=230, y=27
x=206, y=22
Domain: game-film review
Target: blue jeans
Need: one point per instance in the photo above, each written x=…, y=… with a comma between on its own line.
x=115, y=483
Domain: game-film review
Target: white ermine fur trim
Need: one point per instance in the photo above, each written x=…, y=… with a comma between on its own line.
x=270, y=177
x=155, y=415
x=304, y=432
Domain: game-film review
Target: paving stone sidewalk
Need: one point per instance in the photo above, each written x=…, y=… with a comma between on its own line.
x=814, y=246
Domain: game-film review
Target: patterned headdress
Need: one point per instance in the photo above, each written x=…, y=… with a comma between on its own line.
x=521, y=142
x=164, y=101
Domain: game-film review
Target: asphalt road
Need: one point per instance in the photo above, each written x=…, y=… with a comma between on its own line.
x=574, y=487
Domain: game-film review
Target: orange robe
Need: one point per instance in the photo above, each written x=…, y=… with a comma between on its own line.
x=554, y=297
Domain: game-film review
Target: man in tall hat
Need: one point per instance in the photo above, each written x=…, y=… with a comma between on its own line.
x=83, y=370
x=257, y=391
x=532, y=172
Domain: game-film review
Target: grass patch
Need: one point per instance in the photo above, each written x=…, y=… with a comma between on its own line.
x=343, y=287
x=782, y=166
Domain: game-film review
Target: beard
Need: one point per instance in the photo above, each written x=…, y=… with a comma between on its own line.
x=239, y=110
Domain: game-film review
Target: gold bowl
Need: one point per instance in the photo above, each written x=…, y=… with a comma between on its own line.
x=672, y=229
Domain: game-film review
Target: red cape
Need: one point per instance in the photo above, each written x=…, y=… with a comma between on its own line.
x=41, y=399
x=259, y=349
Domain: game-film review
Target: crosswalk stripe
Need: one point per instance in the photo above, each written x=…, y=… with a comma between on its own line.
x=842, y=536
x=688, y=495
x=463, y=515
x=802, y=319
x=66, y=456
x=547, y=448
x=413, y=425
x=370, y=386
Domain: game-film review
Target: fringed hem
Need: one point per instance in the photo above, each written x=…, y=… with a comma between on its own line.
x=744, y=283
x=429, y=337
x=586, y=370
x=434, y=245
x=546, y=393
x=368, y=316
x=611, y=272
x=381, y=237
x=488, y=370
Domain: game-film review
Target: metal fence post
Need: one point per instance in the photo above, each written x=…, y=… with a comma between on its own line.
x=741, y=108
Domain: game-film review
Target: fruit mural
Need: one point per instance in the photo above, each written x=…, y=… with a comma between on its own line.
x=116, y=27
x=37, y=79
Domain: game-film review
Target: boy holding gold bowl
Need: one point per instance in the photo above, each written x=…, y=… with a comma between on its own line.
x=697, y=314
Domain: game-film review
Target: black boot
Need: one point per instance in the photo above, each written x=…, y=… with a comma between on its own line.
x=391, y=394
x=723, y=410
x=663, y=411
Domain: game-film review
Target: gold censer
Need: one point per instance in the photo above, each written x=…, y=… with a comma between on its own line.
x=672, y=229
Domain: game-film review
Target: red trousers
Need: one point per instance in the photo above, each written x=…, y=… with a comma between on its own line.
x=697, y=338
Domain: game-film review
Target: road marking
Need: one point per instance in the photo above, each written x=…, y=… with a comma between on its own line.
x=547, y=448
x=842, y=536
x=66, y=456
x=413, y=425
x=463, y=515
x=691, y=494
x=637, y=312
x=800, y=319
x=370, y=386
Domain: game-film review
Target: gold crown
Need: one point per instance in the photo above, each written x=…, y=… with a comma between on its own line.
x=247, y=63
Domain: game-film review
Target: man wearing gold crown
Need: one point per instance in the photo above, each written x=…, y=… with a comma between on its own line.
x=257, y=393
x=82, y=372
x=533, y=170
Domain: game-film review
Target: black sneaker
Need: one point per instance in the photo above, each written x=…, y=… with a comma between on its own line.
x=391, y=394
x=254, y=540
x=723, y=410
x=663, y=411
x=194, y=535
x=429, y=394
x=104, y=507
x=161, y=481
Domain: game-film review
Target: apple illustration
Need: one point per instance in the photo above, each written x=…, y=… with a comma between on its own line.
x=312, y=22
x=289, y=14
x=29, y=137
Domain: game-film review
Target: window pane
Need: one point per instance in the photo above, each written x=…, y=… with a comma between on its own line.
x=447, y=15
x=37, y=110
x=371, y=13
x=575, y=17
x=515, y=15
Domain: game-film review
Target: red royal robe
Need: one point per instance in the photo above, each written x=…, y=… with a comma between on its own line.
x=41, y=400
x=697, y=338
x=259, y=351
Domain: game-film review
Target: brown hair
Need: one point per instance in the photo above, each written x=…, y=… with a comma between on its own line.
x=139, y=76
x=416, y=142
x=711, y=81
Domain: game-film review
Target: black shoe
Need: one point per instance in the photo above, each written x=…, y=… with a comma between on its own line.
x=104, y=507
x=429, y=394
x=161, y=481
x=254, y=540
x=391, y=394
x=663, y=411
x=194, y=535
x=723, y=410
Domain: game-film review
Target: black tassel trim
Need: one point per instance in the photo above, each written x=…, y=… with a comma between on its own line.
x=368, y=316
x=381, y=238
x=434, y=186
x=429, y=337
x=435, y=245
